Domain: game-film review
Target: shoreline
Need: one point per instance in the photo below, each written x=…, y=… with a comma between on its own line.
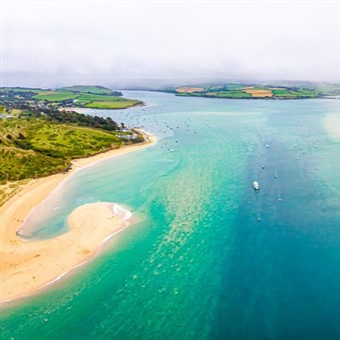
x=38, y=264
x=14, y=211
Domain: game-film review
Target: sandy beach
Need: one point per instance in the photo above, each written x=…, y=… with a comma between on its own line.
x=28, y=266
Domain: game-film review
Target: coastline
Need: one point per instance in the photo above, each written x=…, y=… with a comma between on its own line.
x=251, y=98
x=15, y=210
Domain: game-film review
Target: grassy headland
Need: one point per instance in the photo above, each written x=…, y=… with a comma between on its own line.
x=38, y=138
x=35, y=147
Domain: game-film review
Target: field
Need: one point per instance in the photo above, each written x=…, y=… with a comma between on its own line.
x=258, y=93
x=189, y=89
x=229, y=94
x=118, y=104
x=55, y=96
x=79, y=95
x=87, y=89
x=33, y=147
x=295, y=93
x=244, y=91
x=38, y=139
x=86, y=99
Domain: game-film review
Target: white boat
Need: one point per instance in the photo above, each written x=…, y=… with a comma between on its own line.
x=256, y=185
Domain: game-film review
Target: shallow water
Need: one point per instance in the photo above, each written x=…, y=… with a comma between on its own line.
x=209, y=258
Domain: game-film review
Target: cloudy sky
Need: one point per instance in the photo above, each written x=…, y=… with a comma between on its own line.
x=52, y=43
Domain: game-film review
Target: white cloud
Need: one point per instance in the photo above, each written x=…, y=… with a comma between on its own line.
x=72, y=41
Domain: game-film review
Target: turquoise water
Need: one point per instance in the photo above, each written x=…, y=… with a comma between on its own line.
x=209, y=258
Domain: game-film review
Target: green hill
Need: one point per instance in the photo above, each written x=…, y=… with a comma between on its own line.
x=87, y=89
x=36, y=147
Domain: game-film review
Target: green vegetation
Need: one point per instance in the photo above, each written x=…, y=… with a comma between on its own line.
x=230, y=94
x=112, y=104
x=104, y=101
x=280, y=92
x=55, y=96
x=79, y=119
x=254, y=91
x=97, y=97
x=297, y=93
x=234, y=86
x=72, y=96
x=88, y=99
x=39, y=138
x=97, y=101
x=19, y=104
x=35, y=147
x=217, y=94
x=59, y=140
x=89, y=89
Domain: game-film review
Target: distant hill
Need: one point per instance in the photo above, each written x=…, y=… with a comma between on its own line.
x=97, y=97
x=256, y=91
x=93, y=89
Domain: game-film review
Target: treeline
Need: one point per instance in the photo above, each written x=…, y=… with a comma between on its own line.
x=15, y=99
x=16, y=95
x=72, y=117
x=116, y=93
x=81, y=119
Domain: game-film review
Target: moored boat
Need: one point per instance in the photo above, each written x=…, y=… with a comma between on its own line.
x=256, y=185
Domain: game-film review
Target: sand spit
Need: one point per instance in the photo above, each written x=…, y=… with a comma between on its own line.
x=19, y=258
x=28, y=266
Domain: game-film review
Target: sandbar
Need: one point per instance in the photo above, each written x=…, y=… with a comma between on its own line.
x=28, y=266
